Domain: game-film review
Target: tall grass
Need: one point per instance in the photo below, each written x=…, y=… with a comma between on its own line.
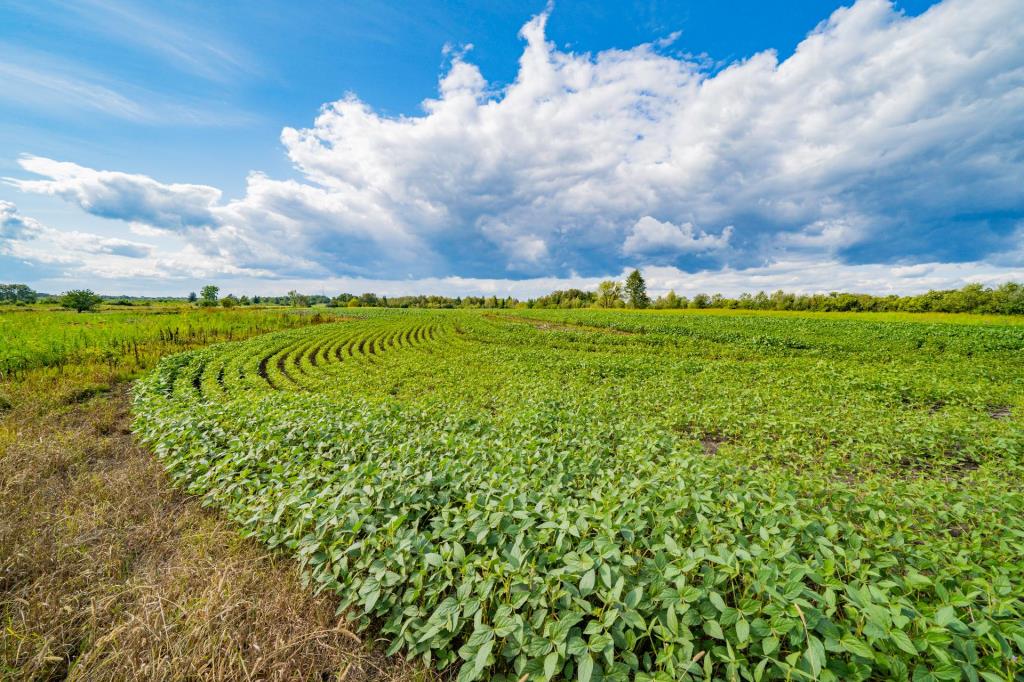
x=126, y=339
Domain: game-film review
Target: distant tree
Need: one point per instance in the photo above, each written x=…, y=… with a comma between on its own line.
x=209, y=294
x=229, y=301
x=609, y=294
x=297, y=300
x=780, y=300
x=352, y=303
x=570, y=298
x=244, y=300
x=636, y=290
x=340, y=301
x=192, y=298
x=1009, y=298
x=17, y=293
x=80, y=300
x=669, y=301
x=700, y=301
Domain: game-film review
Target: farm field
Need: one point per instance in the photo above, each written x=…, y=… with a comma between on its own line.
x=542, y=494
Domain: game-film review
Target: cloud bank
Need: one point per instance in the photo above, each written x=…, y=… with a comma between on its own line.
x=883, y=141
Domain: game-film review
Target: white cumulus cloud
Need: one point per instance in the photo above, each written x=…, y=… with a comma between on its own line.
x=85, y=253
x=653, y=237
x=14, y=225
x=124, y=196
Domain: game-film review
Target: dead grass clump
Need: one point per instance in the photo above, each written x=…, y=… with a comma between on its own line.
x=217, y=609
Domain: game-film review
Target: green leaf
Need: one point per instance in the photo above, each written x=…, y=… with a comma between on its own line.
x=671, y=546
x=433, y=559
x=468, y=673
x=671, y=620
x=921, y=674
x=550, y=665
x=903, y=641
x=576, y=646
x=584, y=668
x=599, y=643
x=587, y=582
x=857, y=647
x=560, y=629
x=713, y=629
x=759, y=670
x=917, y=581
x=504, y=621
x=991, y=677
x=815, y=654
x=1002, y=585
x=371, y=600
x=480, y=660
x=769, y=645
x=742, y=630
x=945, y=616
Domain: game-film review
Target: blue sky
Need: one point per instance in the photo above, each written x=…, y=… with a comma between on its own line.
x=444, y=147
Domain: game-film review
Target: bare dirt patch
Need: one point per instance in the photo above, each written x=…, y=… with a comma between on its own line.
x=711, y=442
x=999, y=412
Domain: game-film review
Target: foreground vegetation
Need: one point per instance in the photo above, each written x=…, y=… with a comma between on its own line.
x=615, y=495
x=126, y=340
x=107, y=572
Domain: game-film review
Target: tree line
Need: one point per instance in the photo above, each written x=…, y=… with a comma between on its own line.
x=1006, y=299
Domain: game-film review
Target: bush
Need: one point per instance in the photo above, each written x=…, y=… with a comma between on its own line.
x=80, y=300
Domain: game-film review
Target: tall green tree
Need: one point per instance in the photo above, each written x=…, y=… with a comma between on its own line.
x=209, y=294
x=17, y=293
x=80, y=300
x=636, y=290
x=609, y=294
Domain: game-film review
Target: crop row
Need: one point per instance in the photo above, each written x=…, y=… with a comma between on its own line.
x=304, y=360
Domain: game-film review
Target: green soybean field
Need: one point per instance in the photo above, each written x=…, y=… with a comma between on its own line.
x=619, y=495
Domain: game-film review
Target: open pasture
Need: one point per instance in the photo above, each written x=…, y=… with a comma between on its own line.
x=616, y=495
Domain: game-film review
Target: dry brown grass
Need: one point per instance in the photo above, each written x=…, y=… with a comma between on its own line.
x=106, y=573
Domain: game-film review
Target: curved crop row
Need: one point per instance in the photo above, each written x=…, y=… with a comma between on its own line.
x=628, y=496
